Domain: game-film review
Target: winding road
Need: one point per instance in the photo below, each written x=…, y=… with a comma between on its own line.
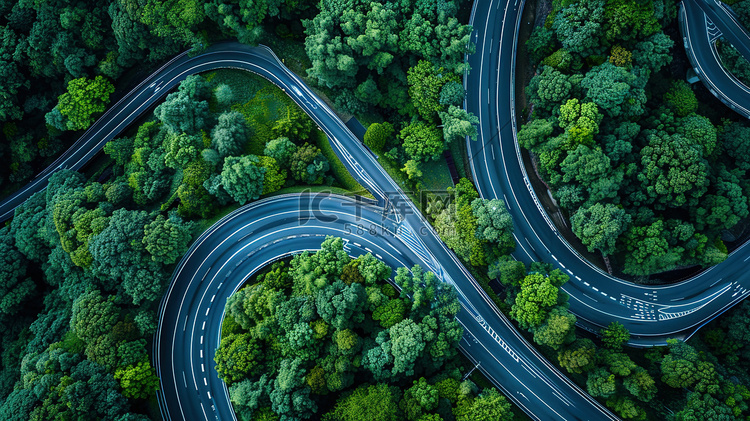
x=244, y=241
x=702, y=22
x=651, y=313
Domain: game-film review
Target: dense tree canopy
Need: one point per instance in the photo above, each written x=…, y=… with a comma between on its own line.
x=333, y=320
x=634, y=172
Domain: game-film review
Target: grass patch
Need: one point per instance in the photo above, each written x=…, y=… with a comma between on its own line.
x=337, y=167
x=435, y=175
x=204, y=224
x=394, y=170
x=259, y=101
x=291, y=52
x=312, y=189
x=458, y=150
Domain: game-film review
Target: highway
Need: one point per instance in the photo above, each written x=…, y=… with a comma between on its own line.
x=702, y=22
x=243, y=242
x=651, y=313
x=225, y=255
x=190, y=388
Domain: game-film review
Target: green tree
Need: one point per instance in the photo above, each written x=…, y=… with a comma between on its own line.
x=120, y=150
x=390, y=313
x=626, y=408
x=579, y=26
x=282, y=150
x=599, y=226
x=15, y=286
x=494, y=224
x=534, y=133
x=137, y=381
x=243, y=177
x=372, y=402
x=422, y=141
x=295, y=124
x=489, y=405
x=699, y=131
x=457, y=227
x=541, y=43
x=419, y=399
x=238, y=356
x=549, y=88
x=557, y=330
x=704, y=407
x=601, y=383
x=407, y=343
x=273, y=177
x=377, y=135
x=229, y=135
x=615, y=90
x=641, y=385
x=648, y=250
x=452, y=93
x=84, y=98
x=580, y=121
x=674, y=173
x=617, y=363
x=458, y=124
x=248, y=397
x=654, y=52
x=510, y=272
x=425, y=83
x=615, y=336
x=533, y=302
x=629, y=20
x=411, y=168
x=224, y=95
x=309, y=165
x=736, y=140
x=368, y=92
x=92, y=316
x=181, y=149
x=579, y=357
x=678, y=367
x=184, y=111
x=166, y=239
x=681, y=98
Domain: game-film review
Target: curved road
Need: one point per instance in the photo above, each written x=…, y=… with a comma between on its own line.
x=248, y=239
x=550, y=395
x=702, y=22
x=266, y=230
x=651, y=313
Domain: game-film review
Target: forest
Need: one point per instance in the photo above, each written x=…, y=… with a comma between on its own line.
x=649, y=176
x=648, y=173
x=328, y=337
x=86, y=261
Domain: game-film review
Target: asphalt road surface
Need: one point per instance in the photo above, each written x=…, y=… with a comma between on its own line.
x=243, y=242
x=265, y=231
x=702, y=22
x=651, y=313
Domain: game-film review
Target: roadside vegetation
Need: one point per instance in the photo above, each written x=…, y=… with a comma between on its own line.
x=731, y=59
x=646, y=176
x=85, y=263
x=328, y=337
